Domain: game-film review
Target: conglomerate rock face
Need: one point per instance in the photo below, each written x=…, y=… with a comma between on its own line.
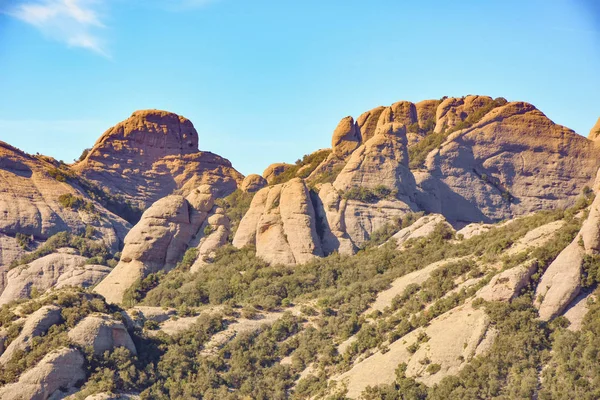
x=152, y=154
x=167, y=229
x=490, y=160
x=32, y=201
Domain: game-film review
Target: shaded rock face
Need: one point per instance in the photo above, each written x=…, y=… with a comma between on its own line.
x=159, y=240
x=281, y=223
x=290, y=225
x=512, y=162
x=274, y=170
x=52, y=271
x=381, y=161
x=152, y=154
x=253, y=183
x=30, y=204
x=102, y=334
x=61, y=369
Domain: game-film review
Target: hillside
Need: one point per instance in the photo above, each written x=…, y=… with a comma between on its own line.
x=446, y=249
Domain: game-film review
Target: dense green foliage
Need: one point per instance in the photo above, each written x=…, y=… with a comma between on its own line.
x=367, y=195
x=85, y=247
x=76, y=203
x=382, y=234
x=334, y=293
x=235, y=206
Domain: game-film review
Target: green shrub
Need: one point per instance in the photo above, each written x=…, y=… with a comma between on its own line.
x=433, y=368
x=84, y=246
x=235, y=205
x=367, y=195
x=24, y=240
x=303, y=168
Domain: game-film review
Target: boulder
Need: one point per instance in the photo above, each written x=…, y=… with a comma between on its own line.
x=246, y=232
x=253, y=183
x=560, y=283
x=367, y=123
x=578, y=309
x=101, y=333
x=422, y=227
x=57, y=372
x=330, y=211
x=507, y=284
x=153, y=153
x=36, y=324
x=53, y=270
x=473, y=229
x=274, y=170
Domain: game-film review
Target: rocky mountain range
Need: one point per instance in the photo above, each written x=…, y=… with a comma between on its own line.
x=442, y=249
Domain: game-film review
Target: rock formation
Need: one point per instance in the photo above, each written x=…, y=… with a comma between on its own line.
x=34, y=202
x=152, y=154
x=52, y=271
x=58, y=371
x=36, y=324
x=274, y=170
x=512, y=162
x=253, y=183
x=422, y=227
x=101, y=334
x=281, y=223
x=169, y=227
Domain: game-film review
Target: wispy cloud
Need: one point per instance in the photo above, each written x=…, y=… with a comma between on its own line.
x=78, y=23
x=184, y=5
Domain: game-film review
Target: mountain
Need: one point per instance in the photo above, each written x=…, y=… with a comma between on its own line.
x=446, y=249
x=150, y=155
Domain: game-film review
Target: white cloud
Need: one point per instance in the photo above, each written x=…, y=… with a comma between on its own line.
x=74, y=22
x=183, y=5
x=79, y=23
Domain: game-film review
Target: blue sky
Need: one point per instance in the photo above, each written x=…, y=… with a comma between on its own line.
x=268, y=81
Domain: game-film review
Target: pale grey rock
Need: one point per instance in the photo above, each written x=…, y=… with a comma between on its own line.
x=52, y=271
x=253, y=183
x=36, y=324
x=101, y=333
x=60, y=369
x=560, y=283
